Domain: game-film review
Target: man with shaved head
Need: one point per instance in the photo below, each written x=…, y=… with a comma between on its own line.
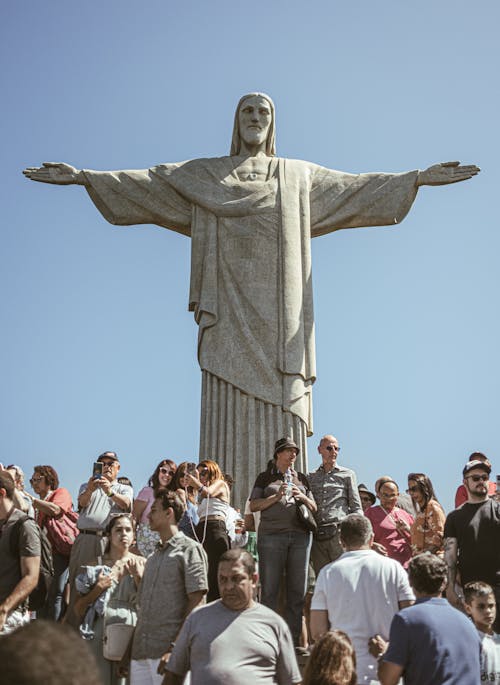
x=335, y=491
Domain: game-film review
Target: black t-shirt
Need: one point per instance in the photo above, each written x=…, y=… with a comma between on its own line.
x=477, y=530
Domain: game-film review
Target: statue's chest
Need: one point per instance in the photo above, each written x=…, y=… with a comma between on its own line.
x=253, y=170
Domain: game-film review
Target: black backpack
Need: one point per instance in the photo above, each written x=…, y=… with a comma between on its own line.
x=38, y=597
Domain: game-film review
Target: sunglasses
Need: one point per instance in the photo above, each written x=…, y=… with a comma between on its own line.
x=203, y=471
x=476, y=479
x=414, y=488
x=166, y=472
x=121, y=516
x=107, y=463
x=331, y=448
x=36, y=480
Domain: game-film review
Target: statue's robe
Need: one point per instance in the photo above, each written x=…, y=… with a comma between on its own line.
x=251, y=289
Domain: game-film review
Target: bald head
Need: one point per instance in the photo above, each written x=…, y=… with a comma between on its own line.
x=329, y=449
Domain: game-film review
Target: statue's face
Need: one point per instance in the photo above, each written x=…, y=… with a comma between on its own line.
x=254, y=120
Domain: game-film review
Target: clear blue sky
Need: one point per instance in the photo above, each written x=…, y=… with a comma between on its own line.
x=98, y=349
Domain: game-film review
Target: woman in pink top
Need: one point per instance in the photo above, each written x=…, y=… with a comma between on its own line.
x=161, y=478
x=391, y=525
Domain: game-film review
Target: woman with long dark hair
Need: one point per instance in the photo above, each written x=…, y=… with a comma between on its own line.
x=427, y=530
x=162, y=478
x=189, y=495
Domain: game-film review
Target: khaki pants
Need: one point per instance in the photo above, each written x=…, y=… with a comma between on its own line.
x=323, y=552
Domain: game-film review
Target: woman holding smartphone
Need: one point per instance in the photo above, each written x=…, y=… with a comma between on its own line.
x=189, y=495
x=213, y=505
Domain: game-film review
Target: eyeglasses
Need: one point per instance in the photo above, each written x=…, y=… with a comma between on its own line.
x=166, y=472
x=107, y=463
x=36, y=480
x=333, y=448
x=476, y=479
x=414, y=488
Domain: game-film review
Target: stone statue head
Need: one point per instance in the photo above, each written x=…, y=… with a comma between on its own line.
x=271, y=136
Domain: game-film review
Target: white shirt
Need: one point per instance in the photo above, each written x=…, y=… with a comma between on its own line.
x=490, y=657
x=361, y=591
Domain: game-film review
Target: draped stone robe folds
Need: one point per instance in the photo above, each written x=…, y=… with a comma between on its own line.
x=251, y=289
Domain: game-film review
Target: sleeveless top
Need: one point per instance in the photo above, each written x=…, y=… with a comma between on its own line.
x=212, y=506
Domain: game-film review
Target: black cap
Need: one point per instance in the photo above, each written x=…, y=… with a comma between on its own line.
x=476, y=464
x=108, y=455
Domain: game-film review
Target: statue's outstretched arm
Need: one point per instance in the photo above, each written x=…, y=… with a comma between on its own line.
x=55, y=172
x=446, y=172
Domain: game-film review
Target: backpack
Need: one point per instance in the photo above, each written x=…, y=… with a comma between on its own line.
x=38, y=596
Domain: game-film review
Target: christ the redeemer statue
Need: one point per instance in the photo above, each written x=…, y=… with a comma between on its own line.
x=250, y=217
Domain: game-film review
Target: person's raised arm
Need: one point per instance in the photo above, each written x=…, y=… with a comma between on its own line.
x=85, y=495
x=261, y=503
x=55, y=172
x=446, y=172
x=47, y=508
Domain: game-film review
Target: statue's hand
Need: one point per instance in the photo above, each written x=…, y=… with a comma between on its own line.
x=54, y=172
x=447, y=172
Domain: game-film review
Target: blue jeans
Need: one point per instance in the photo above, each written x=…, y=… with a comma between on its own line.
x=55, y=605
x=279, y=553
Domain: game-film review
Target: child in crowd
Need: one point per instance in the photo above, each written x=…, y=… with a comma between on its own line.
x=481, y=607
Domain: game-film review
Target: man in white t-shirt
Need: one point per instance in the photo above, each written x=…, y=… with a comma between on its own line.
x=359, y=593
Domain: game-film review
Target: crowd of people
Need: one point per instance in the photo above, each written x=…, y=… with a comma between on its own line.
x=315, y=582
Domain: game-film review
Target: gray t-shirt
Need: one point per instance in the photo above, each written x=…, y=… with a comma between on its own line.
x=101, y=508
x=250, y=647
x=29, y=546
x=171, y=573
